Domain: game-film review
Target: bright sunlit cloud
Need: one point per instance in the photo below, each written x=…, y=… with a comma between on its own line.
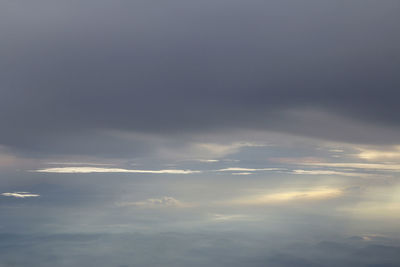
x=208, y=160
x=329, y=172
x=289, y=196
x=111, y=170
x=20, y=194
x=237, y=169
x=221, y=150
x=391, y=154
x=80, y=163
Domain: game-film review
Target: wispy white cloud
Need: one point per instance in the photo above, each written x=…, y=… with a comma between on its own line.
x=230, y=217
x=220, y=150
x=80, y=163
x=330, y=172
x=153, y=203
x=20, y=194
x=208, y=160
x=335, y=150
x=366, y=166
x=387, y=154
x=288, y=196
x=242, y=173
x=200, y=160
x=213, y=151
x=78, y=169
x=237, y=169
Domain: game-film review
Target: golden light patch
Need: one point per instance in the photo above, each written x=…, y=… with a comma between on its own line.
x=281, y=197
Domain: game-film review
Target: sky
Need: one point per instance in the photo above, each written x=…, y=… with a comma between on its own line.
x=199, y=133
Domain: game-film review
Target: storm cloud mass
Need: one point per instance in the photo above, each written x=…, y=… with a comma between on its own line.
x=197, y=66
x=199, y=133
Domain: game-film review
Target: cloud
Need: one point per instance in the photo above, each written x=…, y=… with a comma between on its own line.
x=388, y=154
x=289, y=196
x=20, y=194
x=336, y=150
x=153, y=203
x=238, y=169
x=230, y=217
x=329, y=172
x=203, y=151
x=80, y=163
x=86, y=169
x=196, y=76
x=111, y=170
x=242, y=173
x=365, y=166
x=208, y=160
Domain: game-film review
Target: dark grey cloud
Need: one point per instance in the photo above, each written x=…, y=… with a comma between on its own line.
x=70, y=70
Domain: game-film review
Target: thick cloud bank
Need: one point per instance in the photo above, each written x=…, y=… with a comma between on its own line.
x=71, y=69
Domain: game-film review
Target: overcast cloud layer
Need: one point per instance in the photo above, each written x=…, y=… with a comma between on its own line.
x=71, y=70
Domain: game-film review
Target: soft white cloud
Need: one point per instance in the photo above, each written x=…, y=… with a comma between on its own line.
x=80, y=163
x=153, y=203
x=329, y=172
x=78, y=169
x=387, y=154
x=336, y=150
x=200, y=150
x=230, y=217
x=237, y=169
x=20, y=194
x=366, y=166
x=208, y=160
x=242, y=173
x=220, y=150
x=288, y=196
x=200, y=160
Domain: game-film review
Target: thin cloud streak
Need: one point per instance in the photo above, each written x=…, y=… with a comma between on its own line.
x=329, y=172
x=80, y=163
x=153, y=203
x=111, y=170
x=20, y=195
x=237, y=169
x=366, y=166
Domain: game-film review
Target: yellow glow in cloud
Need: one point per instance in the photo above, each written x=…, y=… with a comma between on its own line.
x=221, y=150
x=381, y=203
x=314, y=194
x=371, y=154
x=375, y=210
